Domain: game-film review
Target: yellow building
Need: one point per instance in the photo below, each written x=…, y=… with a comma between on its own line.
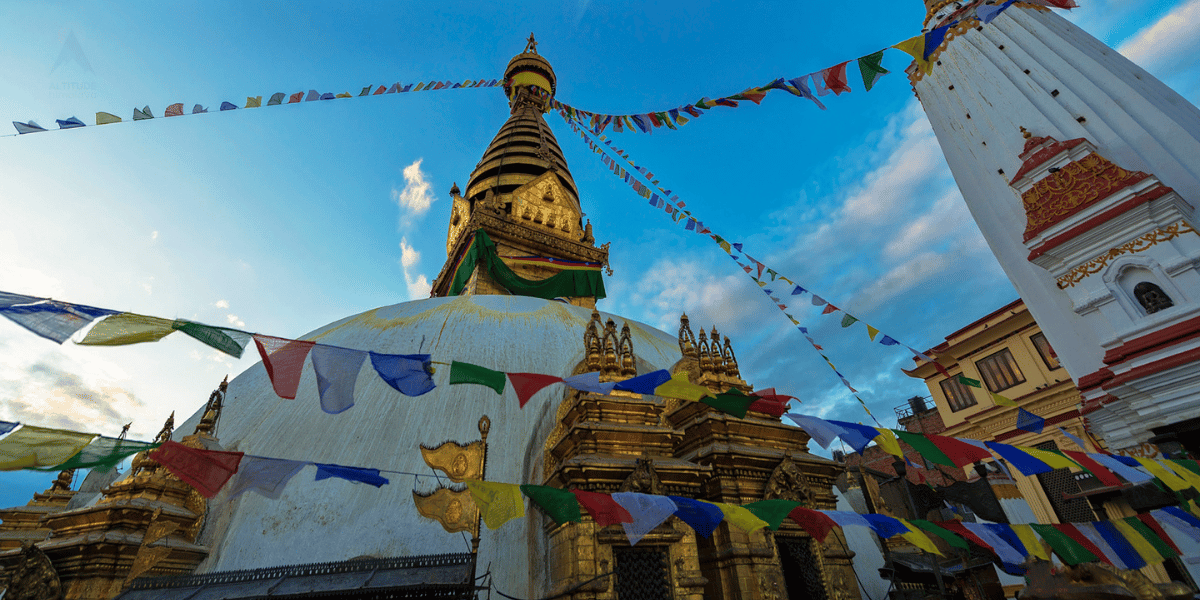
x=1009, y=356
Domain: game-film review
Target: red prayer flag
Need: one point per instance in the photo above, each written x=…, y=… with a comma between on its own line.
x=941, y=369
x=754, y=95
x=1077, y=536
x=959, y=452
x=816, y=523
x=835, y=78
x=1101, y=472
x=772, y=406
x=604, y=510
x=830, y=309
x=298, y=96
x=1158, y=530
x=205, y=470
x=284, y=359
x=382, y=89
x=956, y=526
x=654, y=119
x=174, y=110
x=528, y=384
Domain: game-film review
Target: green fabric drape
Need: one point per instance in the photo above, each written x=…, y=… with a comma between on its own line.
x=102, y=454
x=1070, y=551
x=941, y=532
x=732, y=402
x=772, y=511
x=461, y=372
x=924, y=447
x=565, y=284
x=560, y=505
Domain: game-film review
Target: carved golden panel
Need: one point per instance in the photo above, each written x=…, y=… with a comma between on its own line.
x=1072, y=188
x=455, y=510
x=459, y=462
x=146, y=559
x=1137, y=245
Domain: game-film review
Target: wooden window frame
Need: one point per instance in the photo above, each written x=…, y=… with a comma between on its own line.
x=953, y=389
x=985, y=366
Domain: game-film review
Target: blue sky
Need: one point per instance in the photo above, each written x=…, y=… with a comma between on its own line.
x=282, y=219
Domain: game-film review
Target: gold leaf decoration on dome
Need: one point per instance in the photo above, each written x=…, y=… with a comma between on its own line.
x=459, y=461
x=454, y=509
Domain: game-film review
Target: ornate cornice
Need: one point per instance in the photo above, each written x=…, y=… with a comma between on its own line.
x=1073, y=188
x=1138, y=244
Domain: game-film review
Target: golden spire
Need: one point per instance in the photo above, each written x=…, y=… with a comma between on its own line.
x=531, y=47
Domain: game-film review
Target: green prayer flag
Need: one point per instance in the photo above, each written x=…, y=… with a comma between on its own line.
x=1070, y=551
x=848, y=321
x=461, y=372
x=772, y=511
x=229, y=341
x=924, y=447
x=1190, y=465
x=732, y=402
x=963, y=379
x=950, y=538
x=1159, y=545
x=103, y=453
x=560, y=505
x=564, y=284
x=872, y=69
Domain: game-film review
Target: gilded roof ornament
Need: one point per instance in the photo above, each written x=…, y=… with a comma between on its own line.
x=531, y=47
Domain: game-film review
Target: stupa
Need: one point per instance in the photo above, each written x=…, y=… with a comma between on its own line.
x=517, y=233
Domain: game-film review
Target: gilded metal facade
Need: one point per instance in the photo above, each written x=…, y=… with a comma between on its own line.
x=629, y=442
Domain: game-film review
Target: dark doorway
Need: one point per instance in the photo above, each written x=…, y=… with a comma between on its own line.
x=801, y=571
x=642, y=573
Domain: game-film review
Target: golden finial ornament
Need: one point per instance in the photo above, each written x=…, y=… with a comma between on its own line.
x=1025, y=133
x=531, y=47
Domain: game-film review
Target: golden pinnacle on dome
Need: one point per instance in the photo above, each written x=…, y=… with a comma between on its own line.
x=1025, y=133
x=529, y=80
x=531, y=47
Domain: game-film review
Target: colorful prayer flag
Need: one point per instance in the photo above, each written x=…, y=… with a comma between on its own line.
x=461, y=372
x=872, y=69
x=498, y=503
x=128, y=328
x=560, y=505
x=267, y=476
x=1027, y=421
x=409, y=374
x=205, y=470
x=31, y=446
x=337, y=374
x=284, y=361
x=351, y=474
x=528, y=384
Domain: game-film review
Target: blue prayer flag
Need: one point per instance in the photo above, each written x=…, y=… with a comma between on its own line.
x=409, y=373
x=858, y=436
x=644, y=384
x=1021, y=461
x=6, y=427
x=1027, y=421
x=885, y=526
x=887, y=340
x=71, y=123
x=228, y=106
x=1119, y=544
x=933, y=39
x=351, y=474
x=337, y=371
x=52, y=320
x=700, y=516
x=987, y=12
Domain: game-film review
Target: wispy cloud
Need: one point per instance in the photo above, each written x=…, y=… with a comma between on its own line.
x=46, y=394
x=418, y=284
x=416, y=197
x=1168, y=41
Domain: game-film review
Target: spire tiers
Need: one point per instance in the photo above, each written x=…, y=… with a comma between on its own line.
x=521, y=192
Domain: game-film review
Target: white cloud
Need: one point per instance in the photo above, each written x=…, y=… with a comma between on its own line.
x=221, y=304
x=148, y=286
x=418, y=285
x=234, y=320
x=153, y=235
x=414, y=200
x=1167, y=41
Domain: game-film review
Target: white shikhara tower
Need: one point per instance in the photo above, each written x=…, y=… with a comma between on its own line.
x=1082, y=171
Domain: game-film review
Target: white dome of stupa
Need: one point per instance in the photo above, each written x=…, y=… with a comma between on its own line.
x=335, y=520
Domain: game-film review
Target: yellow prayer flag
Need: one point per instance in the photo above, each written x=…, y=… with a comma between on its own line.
x=1168, y=477
x=1138, y=542
x=1056, y=461
x=915, y=47
x=32, y=446
x=680, y=387
x=762, y=284
x=419, y=87
x=1183, y=472
x=498, y=503
x=103, y=118
x=128, y=328
x=254, y=102
x=888, y=442
x=740, y=517
x=726, y=247
x=1002, y=401
x=872, y=332
x=919, y=539
x=343, y=95
x=1032, y=543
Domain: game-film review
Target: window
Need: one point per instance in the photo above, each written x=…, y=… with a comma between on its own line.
x=958, y=395
x=1000, y=371
x=1043, y=348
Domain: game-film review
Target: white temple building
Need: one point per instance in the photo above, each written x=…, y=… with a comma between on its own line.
x=1082, y=171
